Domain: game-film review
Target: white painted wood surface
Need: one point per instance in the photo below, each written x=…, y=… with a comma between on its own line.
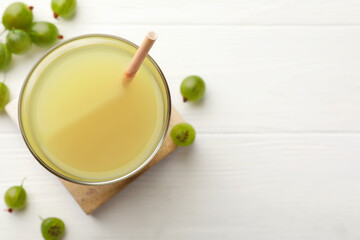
x=277, y=154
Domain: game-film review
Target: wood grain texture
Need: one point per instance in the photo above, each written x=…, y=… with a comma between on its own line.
x=277, y=149
x=278, y=79
x=208, y=12
x=91, y=198
x=261, y=186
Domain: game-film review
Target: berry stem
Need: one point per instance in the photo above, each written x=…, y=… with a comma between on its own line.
x=31, y=7
x=9, y=210
x=41, y=218
x=60, y=37
x=22, y=182
x=56, y=15
x=185, y=99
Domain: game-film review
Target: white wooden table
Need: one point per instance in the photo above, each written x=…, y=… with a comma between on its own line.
x=277, y=154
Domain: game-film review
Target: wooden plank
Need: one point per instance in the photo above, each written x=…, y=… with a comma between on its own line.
x=207, y=12
x=256, y=170
x=282, y=186
x=278, y=79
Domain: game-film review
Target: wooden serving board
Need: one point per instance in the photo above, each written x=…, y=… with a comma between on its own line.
x=91, y=198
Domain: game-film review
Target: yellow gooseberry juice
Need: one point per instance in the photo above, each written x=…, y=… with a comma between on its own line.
x=80, y=119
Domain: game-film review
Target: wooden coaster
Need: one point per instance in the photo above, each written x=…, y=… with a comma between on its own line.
x=91, y=198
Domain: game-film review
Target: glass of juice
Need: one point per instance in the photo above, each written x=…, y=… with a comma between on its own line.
x=82, y=123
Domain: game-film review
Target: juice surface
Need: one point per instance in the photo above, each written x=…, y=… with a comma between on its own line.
x=86, y=122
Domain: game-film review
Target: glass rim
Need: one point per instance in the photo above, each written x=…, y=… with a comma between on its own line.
x=101, y=182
